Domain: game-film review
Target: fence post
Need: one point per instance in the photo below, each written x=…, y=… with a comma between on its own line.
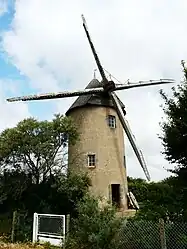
x=14, y=222
x=35, y=228
x=162, y=234
x=67, y=222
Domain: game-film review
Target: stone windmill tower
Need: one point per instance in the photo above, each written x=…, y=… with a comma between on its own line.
x=100, y=150
x=99, y=116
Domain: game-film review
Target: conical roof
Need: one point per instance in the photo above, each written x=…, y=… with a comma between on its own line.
x=93, y=99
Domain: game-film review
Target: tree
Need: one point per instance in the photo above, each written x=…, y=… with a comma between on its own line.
x=174, y=129
x=37, y=147
x=174, y=140
x=33, y=176
x=58, y=194
x=139, y=187
x=156, y=199
x=12, y=186
x=168, y=198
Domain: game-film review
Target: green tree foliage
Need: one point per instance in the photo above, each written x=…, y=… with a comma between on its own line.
x=139, y=187
x=33, y=176
x=58, y=194
x=36, y=146
x=156, y=199
x=168, y=198
x=174, y=139
x=94, y=228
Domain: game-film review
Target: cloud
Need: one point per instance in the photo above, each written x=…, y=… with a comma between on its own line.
x=10, y=114
x=135, y=40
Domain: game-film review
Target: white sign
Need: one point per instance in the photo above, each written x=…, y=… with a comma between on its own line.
x=49, y=228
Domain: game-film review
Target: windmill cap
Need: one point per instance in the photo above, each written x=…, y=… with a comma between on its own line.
x=93, y=99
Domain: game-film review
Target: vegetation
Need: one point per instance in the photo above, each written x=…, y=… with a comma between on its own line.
x=33, y=176
x=157, y=199
x=167, y=199
x=174, y=140
x=174, y=129
x=36, y=147
x=25, y=246
x=94, y=228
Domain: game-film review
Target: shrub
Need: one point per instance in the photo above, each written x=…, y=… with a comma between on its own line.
x=93, y=228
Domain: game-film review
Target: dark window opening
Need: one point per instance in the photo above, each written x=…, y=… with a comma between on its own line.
x=124, y=162
x=91, y=160
x=116, y=194
x=111, y=121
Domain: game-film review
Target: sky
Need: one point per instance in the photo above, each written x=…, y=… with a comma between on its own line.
x=43, y=48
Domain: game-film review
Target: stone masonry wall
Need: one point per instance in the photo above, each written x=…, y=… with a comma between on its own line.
x=108, y=145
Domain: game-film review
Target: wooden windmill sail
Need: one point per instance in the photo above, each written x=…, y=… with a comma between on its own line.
x=100, y=118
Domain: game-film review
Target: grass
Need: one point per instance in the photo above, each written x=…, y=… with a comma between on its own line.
x=4, y=244
x=20, y=246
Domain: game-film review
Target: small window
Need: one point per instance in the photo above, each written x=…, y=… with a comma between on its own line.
x=91, y=160
x=124, y=161
x=111, y=121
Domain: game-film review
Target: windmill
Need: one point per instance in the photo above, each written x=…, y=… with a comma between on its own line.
x=99, y=116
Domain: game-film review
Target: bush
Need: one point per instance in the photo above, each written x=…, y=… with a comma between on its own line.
x=5, y=224
x=93, y=228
